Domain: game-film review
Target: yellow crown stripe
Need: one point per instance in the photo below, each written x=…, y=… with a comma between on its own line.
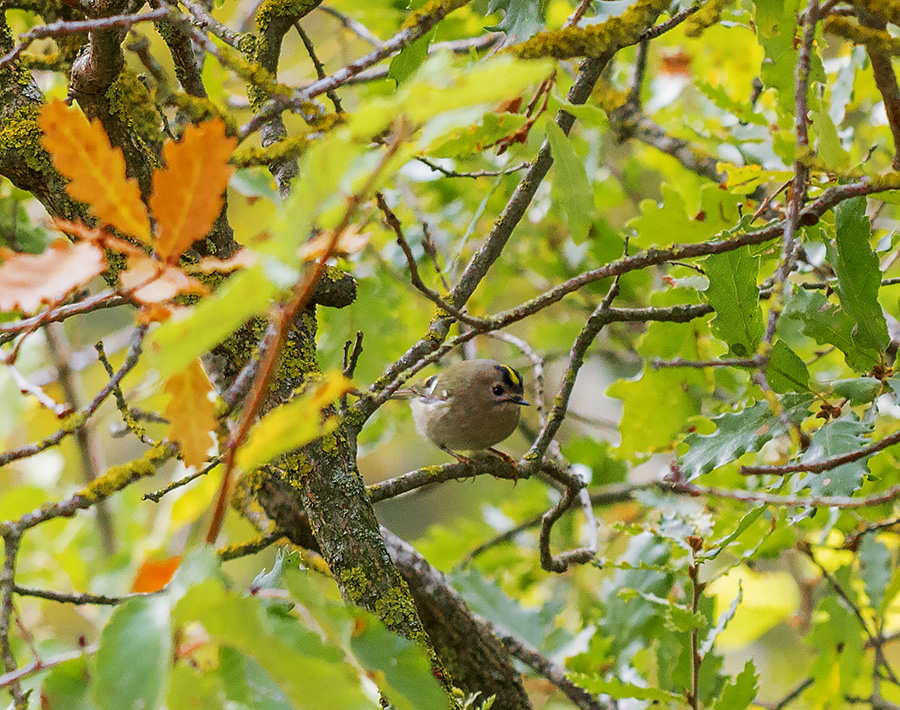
x=513, y=375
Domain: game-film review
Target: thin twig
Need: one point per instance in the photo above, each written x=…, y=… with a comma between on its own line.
x=351, y=357
x=751, y=362
x=202, y=19
x=157, y=496
x=671, y=23
x=89, y=449
x=438, y=168
x=11, y=541
x=77, y=598
x=107, y=299
x=320, y=68
x=45, y=400
x=693, y=695
x=67, y=28
x=826, y=464
x=534, y=659
x=302, y=96
x=393, y=222
x=357, y=28
x=38, y=665
x=873, y=637
x=85, y=412
x=250, y=547
x=801, y=173
x=125, y=412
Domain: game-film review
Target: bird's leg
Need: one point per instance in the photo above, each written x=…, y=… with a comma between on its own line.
x=459, y=457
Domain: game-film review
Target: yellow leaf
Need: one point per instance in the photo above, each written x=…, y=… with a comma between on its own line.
x=293, y=424
x=187, y=193
x=191, y=413
x=82, y=153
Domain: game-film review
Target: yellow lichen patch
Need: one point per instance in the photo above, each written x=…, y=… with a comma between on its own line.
x=118, y=477
x=878, y=40
x=130, y=100
x=705, y=17
x=396, y=608
x=354, y=584
x=594, y=40
x=20, y=136
x=437, y=8
x=294, y=9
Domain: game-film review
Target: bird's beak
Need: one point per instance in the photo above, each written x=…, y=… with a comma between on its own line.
x=516, y=399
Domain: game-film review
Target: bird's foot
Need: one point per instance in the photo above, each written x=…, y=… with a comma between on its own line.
x=507, y=459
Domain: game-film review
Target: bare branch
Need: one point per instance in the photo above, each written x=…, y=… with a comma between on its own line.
x=11, y=541
x=107, y=299
x=85, y=412
x=62, y=27
x=827, y=464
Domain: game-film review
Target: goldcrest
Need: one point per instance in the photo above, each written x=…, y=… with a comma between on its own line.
x=470, y=406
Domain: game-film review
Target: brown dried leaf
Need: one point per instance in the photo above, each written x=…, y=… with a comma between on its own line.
x=149, y=281
x=350, y=241
x=210, y=265
x=27, y=281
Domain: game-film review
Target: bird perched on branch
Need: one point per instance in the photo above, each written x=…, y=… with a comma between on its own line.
x=470, y=406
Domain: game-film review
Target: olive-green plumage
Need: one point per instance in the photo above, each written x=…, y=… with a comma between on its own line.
x=469, y=406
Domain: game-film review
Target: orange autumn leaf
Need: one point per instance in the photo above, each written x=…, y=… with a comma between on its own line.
x=27, y=280
x=82, y=153
x=187, y=193
x=191, y=413
x=150, y=281
x=153, y=575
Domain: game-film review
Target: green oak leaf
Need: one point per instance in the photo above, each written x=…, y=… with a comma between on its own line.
x=470, y=140
x=659, y=223
x=858, y=274
x=571, y=184
x=521, y=19
x=733, y=292
x=829, y=324
x=410, y=58
x=786, y=372
x=736, y=434
x=875, y=569
x=834, y=438
x=618, y=689
x=859, y=390
x=738, y=694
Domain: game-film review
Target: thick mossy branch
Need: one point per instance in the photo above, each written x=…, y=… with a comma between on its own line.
x=878, y=40
x=434, y=8
x=888, y=10
x=705, y=17
x=595, y=40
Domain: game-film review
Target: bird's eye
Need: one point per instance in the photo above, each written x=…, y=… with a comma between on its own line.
x=498, y=390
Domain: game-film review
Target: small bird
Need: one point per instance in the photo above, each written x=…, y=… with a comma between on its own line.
x=469, y=406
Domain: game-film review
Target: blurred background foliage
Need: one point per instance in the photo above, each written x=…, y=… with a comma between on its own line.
x=793, y=597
